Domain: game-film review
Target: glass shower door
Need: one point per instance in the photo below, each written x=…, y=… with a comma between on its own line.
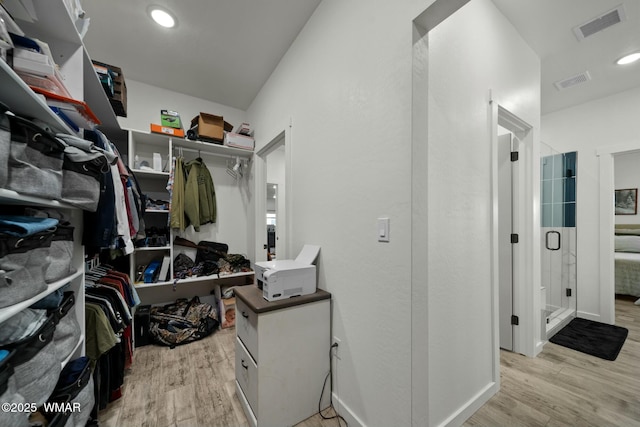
x=558, y=234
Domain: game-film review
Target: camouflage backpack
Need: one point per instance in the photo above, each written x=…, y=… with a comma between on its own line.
x=183, y=322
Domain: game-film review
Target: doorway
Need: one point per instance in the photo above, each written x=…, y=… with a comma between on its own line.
x=271, y=200
x=512, y=148
x=558, y=239
x=606, y=168
x=507, y=144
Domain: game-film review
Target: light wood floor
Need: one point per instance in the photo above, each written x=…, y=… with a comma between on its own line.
x=193, y=385
x=563, y=387
x=189, y=386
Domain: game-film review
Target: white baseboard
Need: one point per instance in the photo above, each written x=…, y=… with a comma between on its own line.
x=468, y=409
x=539, y=348
x=589, y=316
x=342, y=409
x=456, y=419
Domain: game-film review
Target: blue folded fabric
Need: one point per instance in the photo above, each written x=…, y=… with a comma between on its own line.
x=72, y=371
x=23, y=226
x=3, y=354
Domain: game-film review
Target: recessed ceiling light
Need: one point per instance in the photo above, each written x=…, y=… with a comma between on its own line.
x=628, y=59
x=162, y=17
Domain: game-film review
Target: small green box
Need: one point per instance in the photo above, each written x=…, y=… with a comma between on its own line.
x=170, y=118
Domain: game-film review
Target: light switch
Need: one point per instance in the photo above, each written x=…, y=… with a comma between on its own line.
x=383, y=229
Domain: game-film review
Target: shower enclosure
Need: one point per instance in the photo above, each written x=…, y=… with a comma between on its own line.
x=558, y=234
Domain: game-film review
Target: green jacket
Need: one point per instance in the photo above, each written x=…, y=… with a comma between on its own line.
x=200, y=194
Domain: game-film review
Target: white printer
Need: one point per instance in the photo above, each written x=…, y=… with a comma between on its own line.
x=287, y=278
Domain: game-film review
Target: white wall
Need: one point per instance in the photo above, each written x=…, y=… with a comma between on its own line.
x=345, y=84
x=607, y=122
x=627, y=175
x=233, y=197
x=144, y=103
x=346, y=87
x=471, y=53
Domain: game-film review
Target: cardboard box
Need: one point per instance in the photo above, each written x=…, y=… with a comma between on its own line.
x=167, y=130
x=170, y=119
x=119, y=99
x=210, y=127
x=238, y=141
x=228, y=312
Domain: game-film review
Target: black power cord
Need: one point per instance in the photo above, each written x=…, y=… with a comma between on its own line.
x=330, y=376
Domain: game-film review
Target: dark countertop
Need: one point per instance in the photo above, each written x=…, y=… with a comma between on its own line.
x=252, y=296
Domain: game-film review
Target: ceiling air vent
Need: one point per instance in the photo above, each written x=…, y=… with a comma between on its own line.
x=572, y=81
x=598, y=24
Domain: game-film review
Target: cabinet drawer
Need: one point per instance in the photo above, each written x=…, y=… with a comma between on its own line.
x=247, y=328
x=247, y=375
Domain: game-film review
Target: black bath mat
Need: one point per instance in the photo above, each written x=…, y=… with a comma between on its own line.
x=594, y=338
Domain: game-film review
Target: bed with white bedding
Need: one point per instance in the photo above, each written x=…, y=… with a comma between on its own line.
x=627, y=261
x=628, y=273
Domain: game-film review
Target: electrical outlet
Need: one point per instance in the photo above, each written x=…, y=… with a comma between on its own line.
x=336, y=347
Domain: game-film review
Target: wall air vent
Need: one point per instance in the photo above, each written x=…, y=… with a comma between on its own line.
x=572, y=81
x=598, y=24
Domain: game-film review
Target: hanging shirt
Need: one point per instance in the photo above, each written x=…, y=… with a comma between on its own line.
x=100, y=336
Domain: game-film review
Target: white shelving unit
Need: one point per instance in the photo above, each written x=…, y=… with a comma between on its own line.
x=55, y=26
x=76, y=280
x=142, y=145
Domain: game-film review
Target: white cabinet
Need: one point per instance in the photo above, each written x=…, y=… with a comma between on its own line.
x=282, y=356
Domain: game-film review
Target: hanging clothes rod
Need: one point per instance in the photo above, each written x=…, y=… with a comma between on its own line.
x=200, y=152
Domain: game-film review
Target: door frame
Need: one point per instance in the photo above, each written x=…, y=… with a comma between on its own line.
x=607, y=220
x=283, y=138
x=525, y=299
x=506, y=213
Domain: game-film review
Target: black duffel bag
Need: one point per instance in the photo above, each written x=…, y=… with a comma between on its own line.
x=183, y=322
x=210, y=251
